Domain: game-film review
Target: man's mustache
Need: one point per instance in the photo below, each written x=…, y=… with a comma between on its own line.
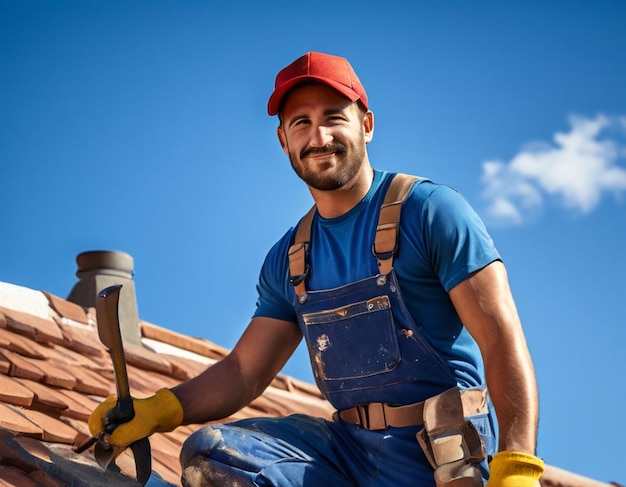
x=327, y=149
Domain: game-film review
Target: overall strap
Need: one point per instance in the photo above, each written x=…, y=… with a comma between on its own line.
x=299, y=253
x=385, y=243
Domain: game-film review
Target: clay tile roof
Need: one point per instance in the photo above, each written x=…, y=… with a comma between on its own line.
x=54, y=371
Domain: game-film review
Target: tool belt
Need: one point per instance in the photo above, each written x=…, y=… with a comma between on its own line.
x=378, y=416
x=449, y=440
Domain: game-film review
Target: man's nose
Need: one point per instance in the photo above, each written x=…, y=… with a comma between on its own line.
x=321, y=136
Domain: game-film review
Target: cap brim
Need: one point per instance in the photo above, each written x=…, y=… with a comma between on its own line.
x=276, y=99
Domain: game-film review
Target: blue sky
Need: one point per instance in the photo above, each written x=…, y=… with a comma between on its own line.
x=141, y=126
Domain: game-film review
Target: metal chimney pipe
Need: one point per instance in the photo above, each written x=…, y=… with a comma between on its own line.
x=99, y=269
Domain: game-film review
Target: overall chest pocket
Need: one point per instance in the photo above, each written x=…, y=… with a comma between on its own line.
x=353, y=341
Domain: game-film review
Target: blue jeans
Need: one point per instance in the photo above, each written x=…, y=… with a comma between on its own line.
x=304, y=451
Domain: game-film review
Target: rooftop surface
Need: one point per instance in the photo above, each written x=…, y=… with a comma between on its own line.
x=54, y=371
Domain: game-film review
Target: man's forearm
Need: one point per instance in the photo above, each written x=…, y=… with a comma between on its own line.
x=513, y=389
x=216, y=393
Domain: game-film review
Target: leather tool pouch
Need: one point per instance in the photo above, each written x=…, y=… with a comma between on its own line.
x=450, y=442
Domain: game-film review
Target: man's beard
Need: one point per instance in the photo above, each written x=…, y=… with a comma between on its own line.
x=353, y=158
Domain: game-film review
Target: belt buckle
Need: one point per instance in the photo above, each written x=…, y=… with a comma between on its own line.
x=372, y=416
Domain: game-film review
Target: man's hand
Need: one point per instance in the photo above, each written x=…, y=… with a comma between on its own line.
x=515, y=469
x=159, y=413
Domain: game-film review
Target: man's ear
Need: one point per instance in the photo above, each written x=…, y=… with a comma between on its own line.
x=368, y=126
x=282, y=139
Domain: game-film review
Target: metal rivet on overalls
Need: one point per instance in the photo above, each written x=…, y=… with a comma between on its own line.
x=302, y=298
x=382, y=280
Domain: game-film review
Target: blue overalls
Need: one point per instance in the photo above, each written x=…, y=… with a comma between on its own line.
x=364, y=348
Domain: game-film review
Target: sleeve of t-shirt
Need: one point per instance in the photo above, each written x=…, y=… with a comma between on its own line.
x=275, y=292
x=458, y=241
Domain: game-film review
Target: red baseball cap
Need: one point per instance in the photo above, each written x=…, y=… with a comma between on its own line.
x=333, y=71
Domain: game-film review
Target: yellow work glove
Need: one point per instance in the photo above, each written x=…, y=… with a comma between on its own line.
x=514, y=469
x=157, y=414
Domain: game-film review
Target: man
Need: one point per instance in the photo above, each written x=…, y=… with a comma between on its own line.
x=406, y=322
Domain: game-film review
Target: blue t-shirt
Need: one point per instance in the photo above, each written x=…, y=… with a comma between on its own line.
x=442, y=242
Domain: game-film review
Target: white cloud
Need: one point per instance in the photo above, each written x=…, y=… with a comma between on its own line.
x=576, y=171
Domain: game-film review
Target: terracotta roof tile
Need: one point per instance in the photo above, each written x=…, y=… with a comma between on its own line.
x=66, y=309
x=33, y=326
x=79, y=407
x=192, y=344
x=56, y=374
x=53, y=430
x=9, y=321
x=54, y=371
x=145, y=382
x=21, y=366
x=145, y=359
x=62, y=355
x=184, y=368
x=81, y=340
x=90, y=382
x=12, y=392
x=44, y=396
x=34, y=447
x=5, y=365
x=81, y=428
x=11, y=419
x=556, y=477
x=165, y=452
x=179, y=435
x=17, y=343
x=5, y=340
